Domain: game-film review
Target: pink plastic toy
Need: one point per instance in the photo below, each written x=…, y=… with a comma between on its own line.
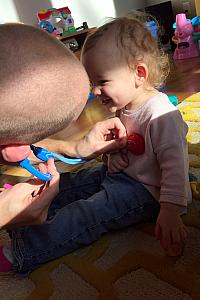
x=7, y=186
x=186, y=47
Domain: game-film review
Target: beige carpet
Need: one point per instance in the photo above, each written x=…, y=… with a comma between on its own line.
x=127, y=264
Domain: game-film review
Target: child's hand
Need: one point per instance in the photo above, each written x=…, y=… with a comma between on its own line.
x=104, y=158
x=170, y=230
x=117, y=162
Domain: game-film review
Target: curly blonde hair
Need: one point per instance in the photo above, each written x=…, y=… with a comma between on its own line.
x=136, y=44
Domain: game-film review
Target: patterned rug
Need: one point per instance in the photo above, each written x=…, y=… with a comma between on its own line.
x=127, y=264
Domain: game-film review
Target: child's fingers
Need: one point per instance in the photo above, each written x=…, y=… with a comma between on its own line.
x=120, y=161
x=177, y=243
x=122, y=164
x=158, y=232
x=175, y=237
x=175, y=249
x=114, y=165
x=179, y=235
x=110, y=171
x=113, y=169
x=124, y=158
x=183, y=233
x=165, y=240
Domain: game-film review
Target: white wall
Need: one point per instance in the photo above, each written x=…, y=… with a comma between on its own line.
x=123, y=6
x=94, y=12
x=8, y=11
x=91, y=11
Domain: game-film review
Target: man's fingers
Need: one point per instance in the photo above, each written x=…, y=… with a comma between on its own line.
x=114, y=144
x=112, y=125
x=51, y=166
x=29, y=186
x=115, y=123
x=43, y=168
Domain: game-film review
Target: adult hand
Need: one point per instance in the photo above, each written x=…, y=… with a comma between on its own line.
x=104, y=137
x=27, y=203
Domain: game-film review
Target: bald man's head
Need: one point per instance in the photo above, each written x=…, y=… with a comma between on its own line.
x=43, y=86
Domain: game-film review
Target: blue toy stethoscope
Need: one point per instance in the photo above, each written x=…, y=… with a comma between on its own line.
x=44, y=155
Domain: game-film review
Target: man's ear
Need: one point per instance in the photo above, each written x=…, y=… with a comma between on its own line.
x=141, y=74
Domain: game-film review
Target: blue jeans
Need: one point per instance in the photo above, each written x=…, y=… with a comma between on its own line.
x=90, y=202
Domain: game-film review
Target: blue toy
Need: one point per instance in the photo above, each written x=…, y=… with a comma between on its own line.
x=44, y=155
x=153, y=28
x=46, y=26
x=91, y=96
x=173, y=99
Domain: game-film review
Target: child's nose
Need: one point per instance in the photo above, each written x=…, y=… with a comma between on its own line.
x=96, y=90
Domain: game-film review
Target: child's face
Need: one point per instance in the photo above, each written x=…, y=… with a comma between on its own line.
x=112, y=79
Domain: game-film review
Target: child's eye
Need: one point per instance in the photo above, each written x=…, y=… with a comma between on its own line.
x=91, y=86
x=102, y=82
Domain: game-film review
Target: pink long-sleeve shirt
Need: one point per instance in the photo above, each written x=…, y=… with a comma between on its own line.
x=163, y=168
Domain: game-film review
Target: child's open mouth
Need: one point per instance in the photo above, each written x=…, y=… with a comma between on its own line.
x=106, y=101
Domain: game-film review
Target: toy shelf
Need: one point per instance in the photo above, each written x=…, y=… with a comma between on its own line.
x=77, y=37
x=80, y=32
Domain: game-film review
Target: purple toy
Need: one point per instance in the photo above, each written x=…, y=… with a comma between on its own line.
x=186, y=47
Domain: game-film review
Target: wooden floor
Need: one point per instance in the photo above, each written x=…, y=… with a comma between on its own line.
x=184, y=80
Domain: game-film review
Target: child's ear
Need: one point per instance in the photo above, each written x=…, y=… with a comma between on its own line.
x=141, y=74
